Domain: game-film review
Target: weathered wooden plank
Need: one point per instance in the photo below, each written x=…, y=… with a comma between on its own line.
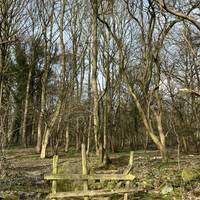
x=127, y=171
x=107, y=171
x=54, y=171
x=111, y=177
x=91, y=193
x=84, y=168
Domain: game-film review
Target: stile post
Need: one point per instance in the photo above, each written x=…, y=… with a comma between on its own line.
x=130, y=165
x=84, y=168
x=55, y=171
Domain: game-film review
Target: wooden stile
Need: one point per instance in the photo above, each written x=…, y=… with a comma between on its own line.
x=104, y=177
x=55, y=171
x=85, y=177
x=127, y=171
x=84, y=168
x=90, y=193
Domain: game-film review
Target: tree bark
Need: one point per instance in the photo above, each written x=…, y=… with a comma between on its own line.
x=25, y=115
x=47, y=60
x=67, y=138
x=61, y=85
x=94, y=76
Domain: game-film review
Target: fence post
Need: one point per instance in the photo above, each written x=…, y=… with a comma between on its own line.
x=84, y=168
x=55, y=171
x=130, y=165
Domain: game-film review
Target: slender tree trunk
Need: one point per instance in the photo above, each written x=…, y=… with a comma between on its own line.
x=162, y=136
x=105, y=126
x=61, y=85
x=2, y=71
x=78, y=143
x=39, y=132
x=47, y=58
x=107, y=91
x=1, y=93
x=158, y=113
x=42, y=106
x=94, y=76
x=25, y=115
x=32, y=136
x=89, y=134
x=49, y=129
x=2, y=110
x=89, y=99
x=67, y=137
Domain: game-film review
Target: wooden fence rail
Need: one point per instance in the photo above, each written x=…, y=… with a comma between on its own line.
x=85, y=177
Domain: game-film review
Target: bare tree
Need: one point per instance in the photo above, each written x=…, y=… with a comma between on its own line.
x=61, y=91
x=47, y=25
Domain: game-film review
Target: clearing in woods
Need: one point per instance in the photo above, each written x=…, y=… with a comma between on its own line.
x=177, y=179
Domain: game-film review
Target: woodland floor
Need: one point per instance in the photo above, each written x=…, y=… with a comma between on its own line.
x=23, y=178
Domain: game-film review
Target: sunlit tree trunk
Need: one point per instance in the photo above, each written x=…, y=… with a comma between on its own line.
x=89, y=99
x=67, y=137
x=61, y=85
x=107, y=98
x=47, y=61
x=42, y=103
x=89, y=134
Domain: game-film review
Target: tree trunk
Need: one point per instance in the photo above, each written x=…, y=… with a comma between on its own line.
x=163, y=151
x=61, y=85
x=67, y=138
x=89, y=134
x=94, y=76
x=42, y=106
x=49, y=129
x=1, y=93
x=78, y=143
x=47, y=58
x=25, y=115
